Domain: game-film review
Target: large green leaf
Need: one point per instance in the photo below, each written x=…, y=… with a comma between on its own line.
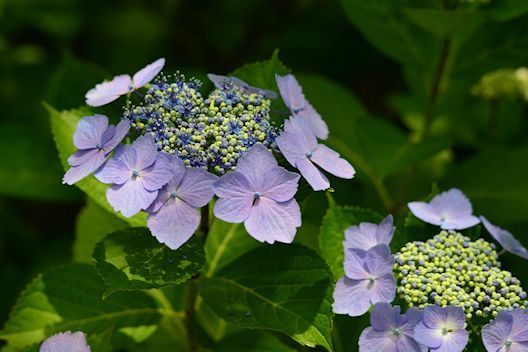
x=285, y=288
x=335, y=222
x=63, y=125
x=69, y=298
x=254, y=341
x=93, y=224
x=133, y=259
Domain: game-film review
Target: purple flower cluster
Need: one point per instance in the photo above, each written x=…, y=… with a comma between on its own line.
x=254, y=189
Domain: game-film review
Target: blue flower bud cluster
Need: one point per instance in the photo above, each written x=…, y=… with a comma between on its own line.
x=209, y=133
x=449, y=269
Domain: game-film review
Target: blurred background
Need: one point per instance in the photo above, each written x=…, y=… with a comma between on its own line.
x=412, y=75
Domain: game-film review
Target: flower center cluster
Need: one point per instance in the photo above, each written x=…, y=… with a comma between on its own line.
x=449, y=269
x=208, y=133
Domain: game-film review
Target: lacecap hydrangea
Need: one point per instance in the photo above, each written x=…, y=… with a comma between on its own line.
x=184, y=148
x=445, y=283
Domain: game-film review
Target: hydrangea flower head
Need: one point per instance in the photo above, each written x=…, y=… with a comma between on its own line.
x=299, y=146
x=442, y=329
x=390, y=330
x=505, y=238
x=451, y=210
x=225, y=82
x=368, y=280
x=66, y=342
x=174, y=215
x=367, y=235
x=136, y=173
x=292, y=95
x=108, y=91
x=95, y=139
x=507, y=333
x=260, y=194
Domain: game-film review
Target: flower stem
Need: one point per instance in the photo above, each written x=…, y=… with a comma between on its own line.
x=190, y=323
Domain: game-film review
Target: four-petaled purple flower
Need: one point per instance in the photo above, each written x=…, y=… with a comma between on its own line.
x=174, y=215
x=299, y=146
x=66, y=342
x=505, y=238
x=390, y=330
x=508, y=333
x=223, y=82
x=293, y=97
x=108, y=91
x=451, y=210
x=260, y=194
x=95, y=140
x=368, y=280
x=136, y=172
x=442, y=329
x=368, y=235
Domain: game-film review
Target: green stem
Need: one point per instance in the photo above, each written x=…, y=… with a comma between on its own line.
x=190, y=323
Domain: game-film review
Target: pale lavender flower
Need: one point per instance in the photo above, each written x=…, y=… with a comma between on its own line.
x=136, y=172
x=175, y=215
x=108, y=91
x=368, y=235
x=508, y=333
x=223, y=82
x=505, y=238
x=442, y=329
x=95, y=140
x=390, y=330
x=292, y=95
x=368, y=280
x=299, y=146
x=260, y=194
x=66, y=342
x=451, y=210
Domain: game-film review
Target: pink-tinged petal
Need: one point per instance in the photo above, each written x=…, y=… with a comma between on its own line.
x=459, y=223
x=351, y=297
x=233, y=185
x=385, y=230
x=361, y=237
x=454, y=342
x=66, y=342
x=434, y=317
x=130, y=198
x=81, y=156
x=291, y=92
x=233, y=210
x=146, y=152
x=196, y=188
x=505, y=238
x=408, y=344
x=455, y=317
x=255, y=163
x=116, y=170
x=384, y=316
x=495, y=334
x=89, y=131
x=174, y=223
x=431, y=338
x=77, y=173
x=379, y=260
x=302, y=134
x=147, y=73
x=383, y=289
x=372, y=340
x=452, y=203
x=316, y=123
x=330, y=161
x=425, y=212
x=270, y=221
x=120, y=132
x=108, y=91
x=158, y=175
x=290, y=147
x=279, y=184
x=315, y=178
x=354, y=265
x=520, y=322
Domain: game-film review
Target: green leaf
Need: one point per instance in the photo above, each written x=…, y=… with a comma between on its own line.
x=29, y=168
x=262, y=74
x=284, y=288
x=254, y=341
x=63, y=125
x=93, y=224
x=69, y=298
x=444, y=23
x=133, y=259
x=335, y=222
